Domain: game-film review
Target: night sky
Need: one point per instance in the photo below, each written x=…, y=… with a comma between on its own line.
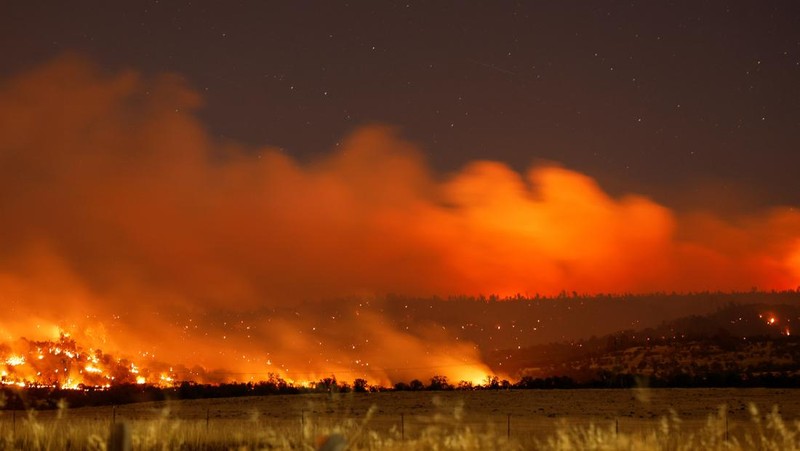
x=690, y=103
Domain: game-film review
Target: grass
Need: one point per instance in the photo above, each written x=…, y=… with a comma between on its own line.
x=448, y=420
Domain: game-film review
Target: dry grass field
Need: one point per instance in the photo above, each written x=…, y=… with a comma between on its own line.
x=526, y=419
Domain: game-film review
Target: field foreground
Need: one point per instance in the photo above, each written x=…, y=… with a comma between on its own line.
x=488, y=419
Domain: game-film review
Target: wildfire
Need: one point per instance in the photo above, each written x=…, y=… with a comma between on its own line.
x=771, y=319
x=476, y=376
x=191, y=227
x=63, y=364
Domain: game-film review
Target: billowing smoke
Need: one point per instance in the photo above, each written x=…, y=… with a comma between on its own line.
x=125, y=224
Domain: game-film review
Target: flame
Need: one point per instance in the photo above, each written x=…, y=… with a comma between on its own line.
x=15, y=360
x=477, y=376
x=63, y=363
x=92, y=369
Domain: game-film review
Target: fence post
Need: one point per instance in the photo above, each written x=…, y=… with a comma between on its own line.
x=113, y=414
x=726, y=428
x=508, y=426
x=120, y=437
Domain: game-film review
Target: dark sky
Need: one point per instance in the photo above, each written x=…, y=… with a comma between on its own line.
x=688, y=102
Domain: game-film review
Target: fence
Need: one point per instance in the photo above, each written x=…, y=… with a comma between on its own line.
x=202, y=424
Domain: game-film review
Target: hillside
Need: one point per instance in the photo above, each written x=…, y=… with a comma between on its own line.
x=735, y=344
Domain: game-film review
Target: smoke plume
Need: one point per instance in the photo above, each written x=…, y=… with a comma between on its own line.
x=125, y=224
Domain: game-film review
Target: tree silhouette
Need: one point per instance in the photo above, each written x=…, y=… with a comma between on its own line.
x=439, y=383
x=360, y=385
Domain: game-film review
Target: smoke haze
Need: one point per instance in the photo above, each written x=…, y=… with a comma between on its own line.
x=126, y=224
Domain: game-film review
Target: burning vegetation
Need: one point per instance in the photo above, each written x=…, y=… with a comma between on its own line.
x=63, y=364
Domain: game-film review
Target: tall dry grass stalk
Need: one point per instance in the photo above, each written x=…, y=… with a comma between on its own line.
x=445, y=429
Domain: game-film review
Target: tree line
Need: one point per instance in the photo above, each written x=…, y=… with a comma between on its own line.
x=41, y=398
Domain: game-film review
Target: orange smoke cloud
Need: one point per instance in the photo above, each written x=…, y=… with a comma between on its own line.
x=124, y=222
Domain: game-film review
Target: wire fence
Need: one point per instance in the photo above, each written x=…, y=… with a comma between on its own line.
x=399, y=425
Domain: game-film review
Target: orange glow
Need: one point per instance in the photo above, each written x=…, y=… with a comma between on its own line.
x=474, y=375
x=128, y=226
x=793, y=262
